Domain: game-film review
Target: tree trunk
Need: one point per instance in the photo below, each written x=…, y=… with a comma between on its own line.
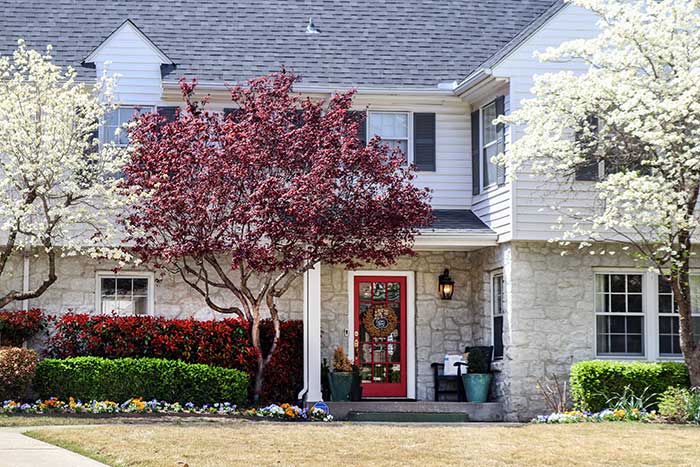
x=680, y=283
x=263, y=360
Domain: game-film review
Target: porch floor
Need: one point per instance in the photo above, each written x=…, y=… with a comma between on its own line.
x=369, y=409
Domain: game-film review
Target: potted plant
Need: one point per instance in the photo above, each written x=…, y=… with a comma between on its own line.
x=341, y=377
x=477, y=381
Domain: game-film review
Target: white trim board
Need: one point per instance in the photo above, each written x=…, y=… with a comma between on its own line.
x=128, y=24
x=138, y=274
x=410, y=320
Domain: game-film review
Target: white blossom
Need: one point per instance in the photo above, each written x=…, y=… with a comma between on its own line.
x=643, y=86
x=58, y=187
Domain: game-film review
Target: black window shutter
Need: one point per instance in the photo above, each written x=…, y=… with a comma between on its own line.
x=168, y=112
x=361, y=117
x=589, y=170
x=299, y=118
x=475, y=152
x=501, y=139
x=424, y=141
x=231, y=111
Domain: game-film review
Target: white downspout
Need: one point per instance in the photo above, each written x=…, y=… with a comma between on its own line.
x=25, y=278
x=305, y=389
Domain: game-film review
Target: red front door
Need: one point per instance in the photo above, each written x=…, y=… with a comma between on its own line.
x=380, y=333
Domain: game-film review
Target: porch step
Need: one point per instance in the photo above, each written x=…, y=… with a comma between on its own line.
x=474, y=412
x=408, y=417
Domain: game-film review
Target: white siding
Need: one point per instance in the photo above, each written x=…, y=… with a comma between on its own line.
x=136, y=65
x=494, y=206
x=533, y=217
x=451, y=181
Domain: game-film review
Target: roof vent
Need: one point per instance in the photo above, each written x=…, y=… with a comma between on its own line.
x=311, y=27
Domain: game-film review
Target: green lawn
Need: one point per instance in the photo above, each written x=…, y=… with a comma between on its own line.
x=244, y=443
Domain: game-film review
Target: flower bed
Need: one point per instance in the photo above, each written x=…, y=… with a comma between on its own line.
x=139, y=406
x=607, y=415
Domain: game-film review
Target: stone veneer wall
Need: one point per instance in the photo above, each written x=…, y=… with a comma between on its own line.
x=550, y=320
x=75, y=291
x=441, y=326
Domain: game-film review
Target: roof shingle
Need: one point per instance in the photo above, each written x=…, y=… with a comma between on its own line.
x=391, y=43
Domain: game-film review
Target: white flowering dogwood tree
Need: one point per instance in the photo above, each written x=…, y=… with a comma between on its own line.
x=59, y=190
x=630, y=126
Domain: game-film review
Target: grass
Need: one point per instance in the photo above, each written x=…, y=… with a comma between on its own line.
x=380, y=445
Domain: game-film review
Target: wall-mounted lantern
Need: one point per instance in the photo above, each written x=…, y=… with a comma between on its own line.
x=446, y=286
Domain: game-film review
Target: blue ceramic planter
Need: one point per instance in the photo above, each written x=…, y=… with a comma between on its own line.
x=477, y=386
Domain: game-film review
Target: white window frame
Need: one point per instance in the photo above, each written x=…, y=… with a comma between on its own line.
x=659, y=314
x=102, y=130
x=409, y=117
x=650, y=307
x=494, y=275
x=482, y=186
x=644, y=313
x=150, y=302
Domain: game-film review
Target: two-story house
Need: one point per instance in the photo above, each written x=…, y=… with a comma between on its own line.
x=431, y=77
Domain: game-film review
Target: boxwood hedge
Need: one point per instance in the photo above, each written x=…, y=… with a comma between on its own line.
x=120, y=379
x=595, y=382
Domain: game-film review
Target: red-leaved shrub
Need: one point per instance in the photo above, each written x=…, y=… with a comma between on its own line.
x=18, y=326
x=223, y=343
x=17, y=368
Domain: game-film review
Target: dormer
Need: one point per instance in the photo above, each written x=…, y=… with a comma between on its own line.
x=135, y=60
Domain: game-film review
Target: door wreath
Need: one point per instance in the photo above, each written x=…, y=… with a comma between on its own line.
x=379, y=320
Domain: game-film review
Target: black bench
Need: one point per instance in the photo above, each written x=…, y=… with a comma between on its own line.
x=452, y=385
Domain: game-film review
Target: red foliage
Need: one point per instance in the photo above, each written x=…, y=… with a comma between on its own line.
x=278, y=185
x=20, y=325
x=223, y=343
x=267, y=191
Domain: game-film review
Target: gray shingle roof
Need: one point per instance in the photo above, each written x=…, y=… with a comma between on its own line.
x=406, y=43
x=458, y=219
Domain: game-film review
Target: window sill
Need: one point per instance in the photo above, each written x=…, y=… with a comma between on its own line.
x=489, y=190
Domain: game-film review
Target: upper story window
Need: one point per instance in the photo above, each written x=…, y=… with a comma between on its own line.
x=128, y=293
x=489, y=144
x=488, y=140
x=116, y=119
x=393, y=128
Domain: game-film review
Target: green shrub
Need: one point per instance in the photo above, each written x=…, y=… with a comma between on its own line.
x=17, y=368
x=595, y=382
x=680, y=405
x=88, y=378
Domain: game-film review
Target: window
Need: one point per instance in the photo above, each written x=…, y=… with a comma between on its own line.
x=116, y=119
x=669, y=324
x=489, y=144
x=498, y=310
x=619, y=314
x=392, y=127
x=125, y=293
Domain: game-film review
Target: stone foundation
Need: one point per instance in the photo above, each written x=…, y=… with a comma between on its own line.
x=548, y=325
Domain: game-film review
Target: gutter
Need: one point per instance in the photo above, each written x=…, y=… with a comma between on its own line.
x=472, y=80
x=368, y=90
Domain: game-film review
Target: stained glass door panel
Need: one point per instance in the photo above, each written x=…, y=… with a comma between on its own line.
x=379, y=335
